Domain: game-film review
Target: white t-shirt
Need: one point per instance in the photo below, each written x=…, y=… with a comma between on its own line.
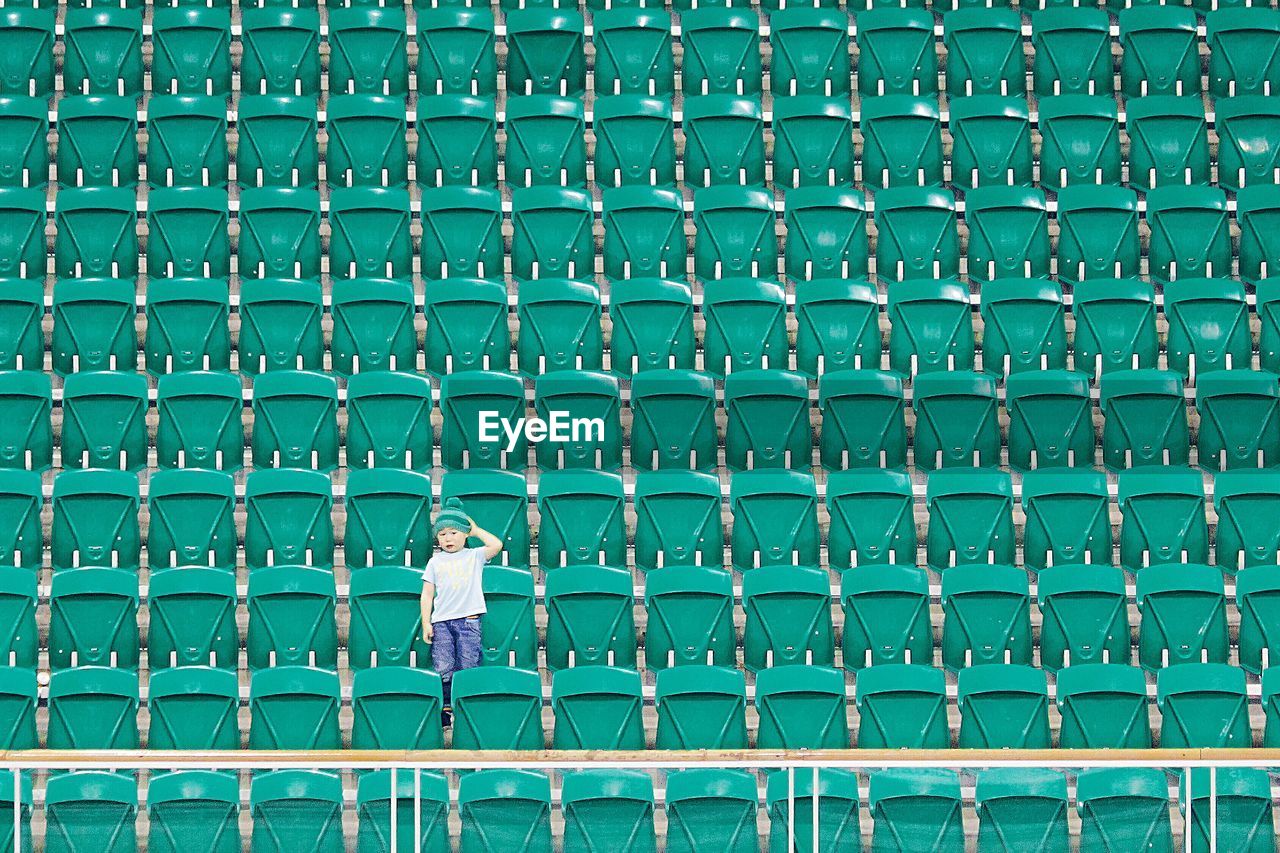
x=456, y=578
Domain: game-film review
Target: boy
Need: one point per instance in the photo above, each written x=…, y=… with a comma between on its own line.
x=452, y=598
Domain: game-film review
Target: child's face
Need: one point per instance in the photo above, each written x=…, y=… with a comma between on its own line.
x=451, y=539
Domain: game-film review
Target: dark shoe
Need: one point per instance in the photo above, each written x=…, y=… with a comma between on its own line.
x=446, y=718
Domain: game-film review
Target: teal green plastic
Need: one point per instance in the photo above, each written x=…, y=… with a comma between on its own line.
x=1208, y=325
x=200, y=423
x=1144, y=419
x=187, y=326
x=970, y=518
x=296, y=810
x=385, y=627
x=291, y=618
x=551, y=233
x=788, y=617
x=1240, y=816
x=837, y=325
x=367, y=52
x=1271, y=709
x=810, y=52
x=1163, y=517
x=1243, y=44
x=653, y=327
x=103, y=52
x=633, y=54
x=643, y=233
x=608, y=810
x=826, y=234
x=546, y=143
x=581, y=519
x=1248, y=531
x=1050, y=419
x=19, y=642
x=281, y=52
x=18, y=692
x=27, y=39
x=767, y=421
x=735, y=233
x=678, y=520
x=589, y=618
x=467, y=326
x=595, y=442
x=559, y=326
x=496, y=707
x=930, y=327
x=635, y=139
x=1103, y=706
x=1238, y=427
x=509, y=636
x=597, y=708
x=456, y=52
x=26, y=427
x=1190, y=233
x=92, y=707
x=499, y=502
x=279, y=233
x=813, y=142
x=1268, y=309
x=1098, y=239
x=193, y=707
x=956, y=420
x=294, y=707
x=775, y=519
x=690, y=612
x=367, y=141
x=191, y=51
x=1183, y=615
x=394, y=707
x=701, y=707
x=1084, y=616
x=457, y=141
x=193, y=809
x=801, y=707
x=863, y=420
x=721, y=52
x=916, y=809
x=388, y=518
x=187, y=233
x=97, y=141
x=22, y=245
x=1022, y=809
x=712, y=810
x=461, y=232
x=505, y=810
x=280, y=326
x=836, y=810
x=1072, y=52
x=1005, y=706
x=1203, y=705
x=886, y=616
x=288, y=519
x=1258, y=215
x=192, y=519
x=95, y=521
x=1246, y=152
x=986, y=616
x=1257, y=598
x=428, y=817
x=545, y=53
x=1009, y=240
x=97, y=233
x=93, y=810
x=94, y=326
x=1160, y=56
x=673, y=421
x=1115, y=325
x=21, y=501
x=373, y=326
x=991, y=134
x=1081, y=147
x=369, y=234
x=724, y=141
x=872, y=518
x=902, y=149
x=896, y=53
x=277, y=142
x=984, y=53
x=21, y=336
x=295, y=418
x=93, y=619
x=193, y=619
x=1168, y=140
x=186, y=136
x=745, y=326
x=902, y=706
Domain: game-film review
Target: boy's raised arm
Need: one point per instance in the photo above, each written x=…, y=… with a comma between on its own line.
x=492, y=544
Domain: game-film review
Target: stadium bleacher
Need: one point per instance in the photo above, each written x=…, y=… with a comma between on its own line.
x=927, y=357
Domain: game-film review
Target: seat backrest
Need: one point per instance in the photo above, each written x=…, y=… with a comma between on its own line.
x=95, y=521
x=886, y=616
x=192, y=618
x=673, y=420
x=775, y=519
x=592, y=402
x=292, y=619
x=94, y=322
x=1124, y=808
x=385, y=627
x=788, y=617
x=701, y=707
x=609, y=810
x=1203, y=704
x=193, y=707
x=94, y=810
x=559, y=326
x=497, y=707
x=104, y=421
x=193, y=808
x=589, y=617
x=801, y=707
x=389, y=421
x=916, y=809
x=505, y=810
x=369, y=237
x=395, y=707
x=1246, y=532
x=597, y=708
x=461, y=232
x=93, y=619
x=297, y=810
x=986, y=616
x=428, y=816
x=633, y=53
x=1021, y=807
x=1084, y=616
x=1163, y=517
x=294, y=707
x=93, y=707
x=827, y=798
x=581, y=519
x=1003, y=706
x=767, y=420
x=930, y=327
x=872, y=518
x=690, y=617
x=1183, y=611
x=902, y=706
x=26, y=426
x=712, y=810
x=1144, y=419
x=388, y=518
x=1050, y=420
x=863, y=418
x=970, y=517
x=288, y=521
x=1103, y=706
x=21, y=501
x=1008, y=241
x=745, y=326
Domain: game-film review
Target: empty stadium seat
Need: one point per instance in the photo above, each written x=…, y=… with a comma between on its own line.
x=199, y=422
x=281, y=52
x=984, y=53
x=425, y=821
x=633, y=53
x=1081, y=145
x=95, y=521
x=187, y=233
x=1244, y=141
x=277, y=142
x=1050, y=419
x=826, y=235
x=1174, y=213
x=801, y=707
x=292, y=619
x=1005, y=706
x=97, y=234
x=456, y=52
x=872, y=518
x=26, y=428
x=94, y=326
x=581, y=515
x=551, y=233
x=546, y=143
x=294, y=707
x=673, y=421
x=643, y=235
x=496, y=707
x=97, y=141
x=1240, y=42
x=559, y=326
x=93, y=619
x=103, y=52
x=1067, y=518
x=916, y=809
x=863, y=420
x=597, y=708
x=91, y=810
x=986, y=616
x=1245, y=532
x=1169, y=141
x=367, y=52
x=192, y=618
x=288, y=519
x=810, y=53
x=24, y=156
x=466, y=326
x=296, y=810
x=1009, y=239
x=1084, y=616
x=93, y=707
x=280, y=325
x=745, y=326
x=1115, y=324
x=22, y=252
x=1240, y=814
x=369, y=237
x=896, y=53
x=1144, y=419
x=457, y=141
x=678, y=520
x=735, y=233
x=18, y=693
x=956, y=420
x=690, y=611
x=830, y=823
x=28, y=39
x=295, y=420
x=991, y=135
x=970, y=518
x=608, y=809
x=1183, y=611
x=505, y=809
x=902, y=706
x=711, y=809
x=1258, y=254
x=367, y=145
x=788, y=617
x=886, y=616
x=279, y=233
x=193, y=807
x=1163, y=518
x=1103, y=706
x=902, y=149
x=394, y=707
x=701, y=707
x=545, y=53
x=724, y=141
x=1018, y=806
x=21, y=501
x=499, y=502
x=813, y=142
x=1203, y=704
x=775, y=519
x=930, y=326
x=589, y=618
x=1072, y=52
x=385, y=627
x=373, y=321
x=187, y=325
x=1160, y=52
x=767, y=420
x=193, y=707
x=19, y=644
x=1237, y=413
x=592, y=436
x=192, y=51
x=1256, y=599
x=388, y=518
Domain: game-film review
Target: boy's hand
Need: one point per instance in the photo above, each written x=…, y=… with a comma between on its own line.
x=427, y=632
x=471, y=530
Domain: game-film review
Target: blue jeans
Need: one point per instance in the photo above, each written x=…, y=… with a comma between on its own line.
x=455, y=645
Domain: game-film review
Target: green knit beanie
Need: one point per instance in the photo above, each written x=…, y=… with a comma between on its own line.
x=452, y=516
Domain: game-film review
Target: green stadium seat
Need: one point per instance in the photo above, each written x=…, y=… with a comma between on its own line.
x=199, y=422
x=1067, y=518
x=902, y=148
x=1081, y=148
x=984, y=53
x=1163, y=518
x=1084, y=616
x=295, y=420
x=537, y=212
x=745, y=326
x=916, y=809
x=592, y=400
x=1008, y=234
x=721, y=52
x=1256, y=214
x=281, y=52
x=970, y=518
x=27, y=39
x=97, y=141
x=466, y=326
x=1203, y=705
x=775, y=519
x=735, y=233
x=872, y=519
x=95, y=521
x=589, y=618
x=193, y=809
x=690, y=618
x=93, y=707
x=724, y=141
x=896, y=53
x=1237, y=419
x=597, y=708
x=24, y=154
x=1098, y=234
x=801, y=707
x=193, y=707
x=810, y=52
x=643, y=232
x=499, y=502
x=97, y=233
x=608, y=810
x=826, y=234
x=394, y=707
x=836, y=810
x=633, y=54
x=1256, y=597
x=496, y=707
x=296, y=810
x=191, y=51
x=21, y=316
x=277, y=142
x=1183, y=612
x=26, y=427
x=507, y=627
x=1169, y=142
x=652, y=322
x=1247, y=531
x=279, y=233
x=294, y=707
x=424, y=822
x=813, y=142
x=863, y=420
x=91, y=810
x=369, y=234
x=19, y=642
x=1267, y=305
x=838, y=325
x=94, y=326
x=18, y=694
x=367, y=53
x=581, y=519
x=1103, y=706
x=1022, y=808
x=1144, y=419
x=917, y=235
x=388, y=518
x=701, y=707
x=15, y=810
x=1160, y=53
x=886, y=616
x=385, y=627
x=1208, y=326
x=788, y=617
x=505, y=810
x=678, y=520
x=288, y=519
x=103, y=52
x=193, y=618
x=457, y=141
x=1005, y=706
x=991, y=138
x=187, y=233
x=1242, y=48
x=93, y=619
x=456, y=52
x=712, y=810
x=956, y=420
x=1240, y=814
x=21, y=500
x=545, y=143
x=1050, y=418
x=1245, y=150
x=545, y=53
x=1072, y=52
x=1024, y=323
x=902, y=706
x=767, y=421
x=187, y=325
x=372, y=318
x=559, y=326
x=367, y=145
x=280, y=325
x=673, y=421
x=1115, y=327
x=986, y=612
x=292, y=618
x=1173, y=213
